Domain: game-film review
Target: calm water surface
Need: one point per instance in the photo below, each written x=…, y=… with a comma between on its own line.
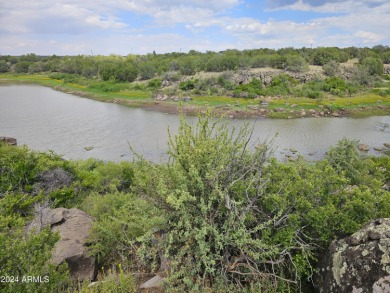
x=45, y=119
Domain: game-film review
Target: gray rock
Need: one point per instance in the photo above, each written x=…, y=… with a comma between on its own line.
x=154, y=282
x=358, y=263
x=73, y=226
x=51, y=180
x=8, y=140
x=382, y=285
x=363, y=147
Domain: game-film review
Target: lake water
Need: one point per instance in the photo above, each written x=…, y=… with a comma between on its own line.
x=45, y=119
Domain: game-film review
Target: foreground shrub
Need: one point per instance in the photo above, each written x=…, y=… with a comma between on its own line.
x=119, y=219
x=26, y=255
x=217, y=233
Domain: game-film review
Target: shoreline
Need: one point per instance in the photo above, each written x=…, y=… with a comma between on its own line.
x=234, y=108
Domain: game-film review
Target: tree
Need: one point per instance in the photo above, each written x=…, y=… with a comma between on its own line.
x=146, y=70
x=4, y=67
x=22, y=67
x=296, y=63
x=332, y=68
x=373, y=65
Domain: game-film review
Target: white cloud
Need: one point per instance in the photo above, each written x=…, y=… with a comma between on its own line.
x=59, y=17
x=110, y=26
x=325, y=6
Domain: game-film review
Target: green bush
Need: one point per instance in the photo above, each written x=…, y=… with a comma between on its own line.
x=373, y=65
x=22, y=67
x=336, y=86
x=4, y=67
x=296, y=63
x=119, y=219
x=332, y=68
x=281, y=84
x=27, y=254
x=187, y=85
x=20, y=167
x=217, y=230
x=253, y=88
x=154, y=83
x=147, y=70
x=95, y=175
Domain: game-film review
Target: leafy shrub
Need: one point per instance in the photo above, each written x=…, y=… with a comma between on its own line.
x=269, y=60
x=314, y=94
x=373, y=65
x=154, y=83
x=187, y=66
x=281, y=84
x=216, y=230
x=296, y=63
x=222, y=62
x=119, y=219
x=20, y=167
x=321, y=56
x=95, y=175
x=187, y=85
x=171, y=76
x=27, y=254
x=335, y=85
x=345, y=159
x=117, y=71
x=362, y=76
x=253, y=88
x=4, y=67
x=332, y=68
x=146, y=70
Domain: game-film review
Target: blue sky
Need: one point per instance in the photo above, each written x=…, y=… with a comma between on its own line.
x=103, y=27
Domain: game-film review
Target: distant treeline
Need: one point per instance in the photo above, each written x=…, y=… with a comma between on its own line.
x=130, y=67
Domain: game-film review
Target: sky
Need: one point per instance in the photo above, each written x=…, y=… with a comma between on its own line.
x=122, y=27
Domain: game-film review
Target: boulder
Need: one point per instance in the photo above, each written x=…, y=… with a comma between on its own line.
x=363, y=147
x=51, y=180
x=358, y=263
x=8, y=140
x=155, y=282
x=73, y=226
x=387, y=144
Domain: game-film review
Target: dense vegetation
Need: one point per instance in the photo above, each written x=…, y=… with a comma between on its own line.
x=315, y=74
x=234, y=220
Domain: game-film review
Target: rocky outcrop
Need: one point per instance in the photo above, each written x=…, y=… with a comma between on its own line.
x=358, y=263
x=8, y=140
x=51, y=180
x=386, y=69
x=73, y=226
